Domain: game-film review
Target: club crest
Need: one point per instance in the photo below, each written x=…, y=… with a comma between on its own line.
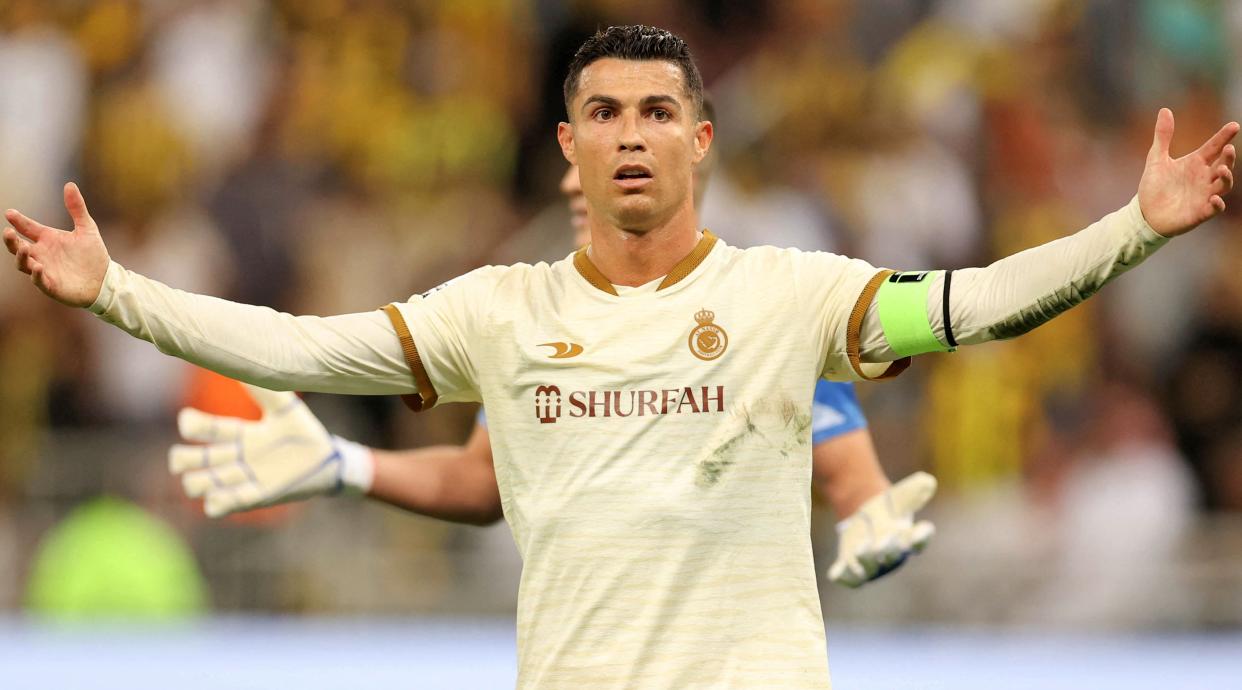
x=707, y=341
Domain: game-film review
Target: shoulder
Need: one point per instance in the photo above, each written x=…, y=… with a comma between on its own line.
x=792, y=264
x=490, y=279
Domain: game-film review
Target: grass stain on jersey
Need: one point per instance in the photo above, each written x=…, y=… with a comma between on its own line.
x=711, y=468
x=778, y=413
x=710, y=471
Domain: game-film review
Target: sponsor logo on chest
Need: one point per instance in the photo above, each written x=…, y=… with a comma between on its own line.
x=707, y=341
x=551, y=404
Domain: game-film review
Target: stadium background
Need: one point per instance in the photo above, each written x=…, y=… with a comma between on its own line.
x=326, y=156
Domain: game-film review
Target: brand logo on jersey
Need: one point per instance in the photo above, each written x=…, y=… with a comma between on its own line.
x=563, y=350
x=908, y=277
x=707, y=341
x=547, y=404
x=629, y=403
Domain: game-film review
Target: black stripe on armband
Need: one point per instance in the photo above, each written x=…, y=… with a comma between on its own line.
x=948, y=326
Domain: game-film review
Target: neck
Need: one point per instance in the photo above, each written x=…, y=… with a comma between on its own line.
x=632, y=258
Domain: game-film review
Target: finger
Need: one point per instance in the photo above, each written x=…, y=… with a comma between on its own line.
x=39, y=277
x=23, y=258
x=219, y=504
x=196, y=425
x=228, y=477
x=1217, y=204
x=243, y=497
x=920, y=535
x=1163, y=135
x=76, y=205
x=31, y=228
x=1212, y=148
x=847, y=572
x=1227, y=157
x=868, y=562
x=273, y=402
x=12, y=240
x=912, y=493
x=182, y=457
x=1224, y=179
x=196, y=483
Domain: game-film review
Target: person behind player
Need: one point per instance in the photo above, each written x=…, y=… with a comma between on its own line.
x=648, y=398
x=458, y=483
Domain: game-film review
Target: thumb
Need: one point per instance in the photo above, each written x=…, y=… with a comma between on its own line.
x=271, y=402
x=1163, y=136
x=909, y=495
x=76, y=205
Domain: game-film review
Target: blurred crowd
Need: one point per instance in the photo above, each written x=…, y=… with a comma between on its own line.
x=329, y=156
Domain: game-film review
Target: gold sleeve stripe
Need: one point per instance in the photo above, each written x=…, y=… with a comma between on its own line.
x=426, y=396
x=853, y=333
x=582, y=262
x=687, y=265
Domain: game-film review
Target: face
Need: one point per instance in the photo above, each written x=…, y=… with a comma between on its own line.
x=636, y=138
x=571, y=187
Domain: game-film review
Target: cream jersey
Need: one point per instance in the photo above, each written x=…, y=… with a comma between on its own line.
x=652, y=450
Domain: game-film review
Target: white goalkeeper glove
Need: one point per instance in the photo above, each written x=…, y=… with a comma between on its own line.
x=286, y=456
x=882, y=534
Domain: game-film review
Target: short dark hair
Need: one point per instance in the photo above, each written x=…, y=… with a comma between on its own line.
x=635, y=42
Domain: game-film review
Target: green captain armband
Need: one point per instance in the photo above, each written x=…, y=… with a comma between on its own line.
x=902, y=305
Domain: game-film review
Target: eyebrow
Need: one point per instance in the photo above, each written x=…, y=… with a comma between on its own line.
x=661, y=98
x=604, y=100
x=646, y=102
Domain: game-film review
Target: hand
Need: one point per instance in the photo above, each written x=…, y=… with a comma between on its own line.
x=69, y=267
x=1177, y=195
x=882, y=534
x=286, y=456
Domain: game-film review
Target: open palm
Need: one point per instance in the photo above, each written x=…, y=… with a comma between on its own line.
x=1176, y=195
x=68, y=266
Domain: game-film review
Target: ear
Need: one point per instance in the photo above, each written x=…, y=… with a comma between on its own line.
x=703, y=135
x=565, y=137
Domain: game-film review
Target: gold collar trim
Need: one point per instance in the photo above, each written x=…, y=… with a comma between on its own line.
x=684, y=268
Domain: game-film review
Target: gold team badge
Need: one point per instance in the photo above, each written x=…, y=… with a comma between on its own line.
x=707, y=341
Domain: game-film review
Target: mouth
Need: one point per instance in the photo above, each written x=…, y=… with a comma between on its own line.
x=632, y=177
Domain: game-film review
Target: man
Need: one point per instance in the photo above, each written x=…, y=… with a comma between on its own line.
x=658, y=492
x=458, y=483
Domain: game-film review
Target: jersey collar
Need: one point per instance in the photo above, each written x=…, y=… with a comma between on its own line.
x=685, y=267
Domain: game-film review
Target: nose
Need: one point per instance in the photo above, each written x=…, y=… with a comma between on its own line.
x=631, y=139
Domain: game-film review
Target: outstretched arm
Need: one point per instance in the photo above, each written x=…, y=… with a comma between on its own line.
x=453, y=483
x=876, y=531
x=1023, y=291
x=288, y=455
x=354, y=353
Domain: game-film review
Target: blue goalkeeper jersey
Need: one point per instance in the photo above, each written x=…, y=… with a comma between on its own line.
x=834, y=411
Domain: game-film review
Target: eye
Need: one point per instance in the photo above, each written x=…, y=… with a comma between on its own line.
x=661, y=115
x=603, y=114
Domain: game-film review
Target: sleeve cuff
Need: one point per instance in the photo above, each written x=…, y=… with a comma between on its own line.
x=107, y=291
x=357, y=466
x=1146, y=233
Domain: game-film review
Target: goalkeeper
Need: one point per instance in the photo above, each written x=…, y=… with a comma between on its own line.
x=243, y=467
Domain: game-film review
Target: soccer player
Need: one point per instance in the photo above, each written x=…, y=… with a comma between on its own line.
x=648, y=398
x=458, y=483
